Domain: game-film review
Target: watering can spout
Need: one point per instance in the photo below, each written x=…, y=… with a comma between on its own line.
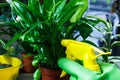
x=64, y=42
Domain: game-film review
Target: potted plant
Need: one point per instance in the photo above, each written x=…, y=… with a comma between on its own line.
x=44, y=25
x=8, y=63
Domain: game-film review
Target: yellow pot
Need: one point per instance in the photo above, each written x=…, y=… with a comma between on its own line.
x=10, y=73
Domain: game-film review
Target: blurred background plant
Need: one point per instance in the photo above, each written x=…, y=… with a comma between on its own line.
x=6, y=50
x=116, y=9
x=107, y=42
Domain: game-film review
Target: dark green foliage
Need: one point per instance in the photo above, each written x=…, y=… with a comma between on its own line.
x=43, y=26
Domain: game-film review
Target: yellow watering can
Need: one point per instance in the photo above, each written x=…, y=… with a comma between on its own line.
x=77, y=50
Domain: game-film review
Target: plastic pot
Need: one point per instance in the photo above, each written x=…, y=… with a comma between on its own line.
x=48, y=74
x=9, y=73
x=27, y=62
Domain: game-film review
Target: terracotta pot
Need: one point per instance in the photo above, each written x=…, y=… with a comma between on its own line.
x=48, y=74
x=27, y=62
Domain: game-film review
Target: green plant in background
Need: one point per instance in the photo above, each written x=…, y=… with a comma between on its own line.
x=107, y=33
x=108, y=1
x=8, y=50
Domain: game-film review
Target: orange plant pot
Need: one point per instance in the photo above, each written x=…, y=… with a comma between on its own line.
x=27, y=64
x=48, y=74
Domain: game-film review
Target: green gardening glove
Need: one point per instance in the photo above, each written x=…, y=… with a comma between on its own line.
x=78, y=72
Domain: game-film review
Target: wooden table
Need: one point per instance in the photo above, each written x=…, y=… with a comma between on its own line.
x=25, y=76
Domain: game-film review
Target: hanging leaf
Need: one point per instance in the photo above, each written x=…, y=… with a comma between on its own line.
x=15, y=37
x=115, y=43
x=85, y=30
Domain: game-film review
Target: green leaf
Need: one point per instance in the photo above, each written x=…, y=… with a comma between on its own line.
x=33, y=26
x=23, y=12
x=64, y=17
x=92, y=22
x=82, y=7
x=104, y=49
x=32, y=3
x=3, y=44
x=71, y=11
x=115, y=43
x=16, y=37
x=116, y=26
x=8, y=23
x=107, y=25
x=104, y=40
x=117, y=36
x=85, y=30
x=59, y=7
x=47, y=4
x=38, y=10
x=48, y=8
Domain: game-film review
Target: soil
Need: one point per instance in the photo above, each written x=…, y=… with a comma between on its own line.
x=3, y=65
